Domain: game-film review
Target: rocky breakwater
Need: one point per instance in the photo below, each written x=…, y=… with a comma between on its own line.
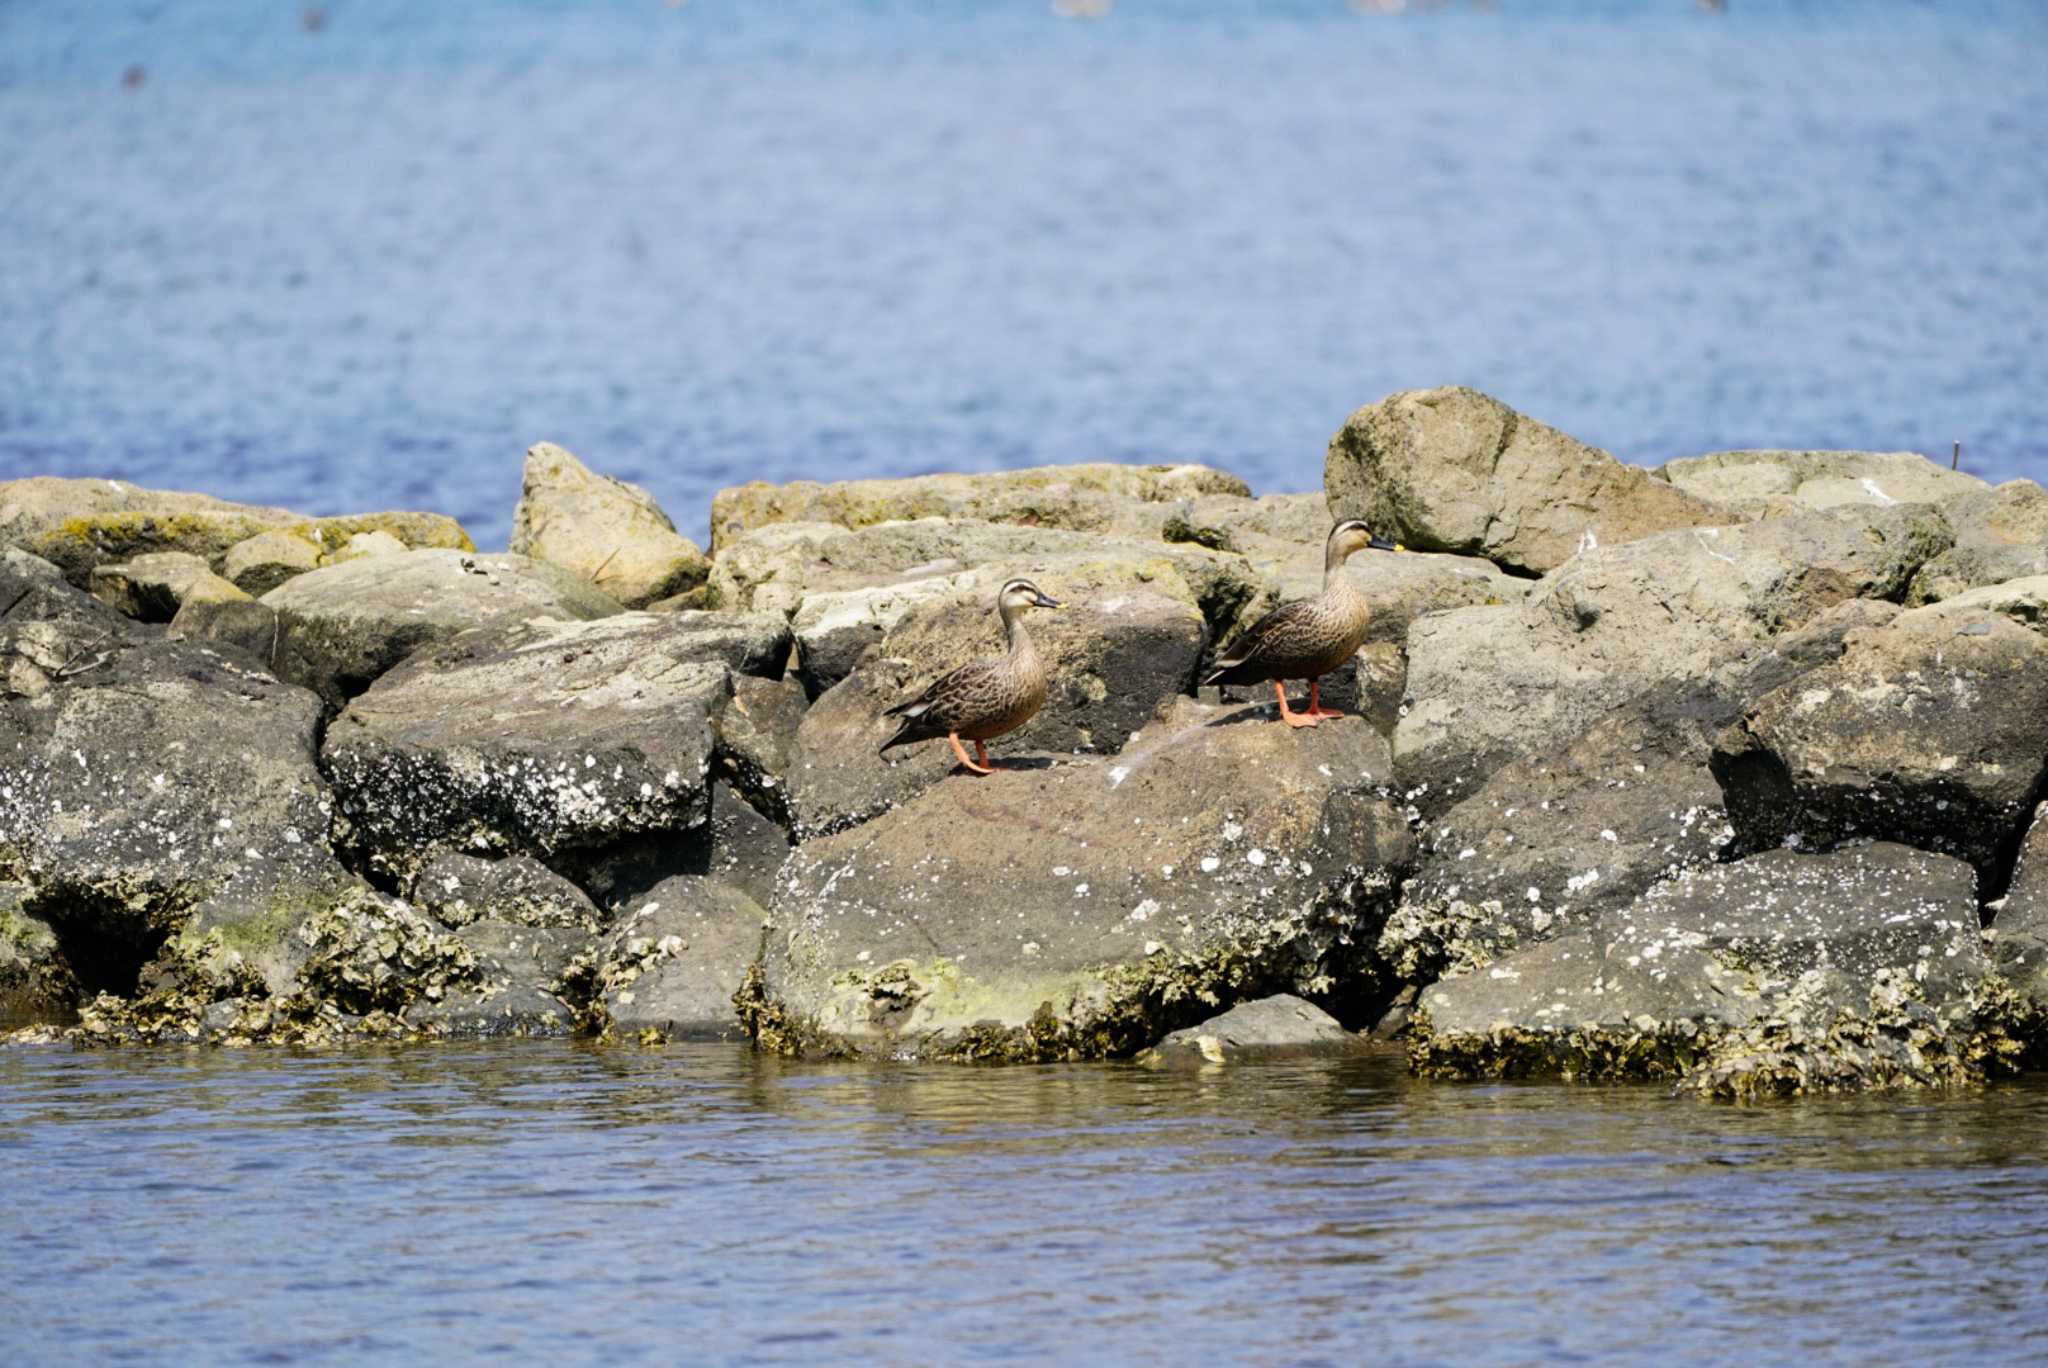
x=1724, y=774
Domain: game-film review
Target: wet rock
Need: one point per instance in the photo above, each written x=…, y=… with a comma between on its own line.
x=611, y=533
x=1130, y=638
x=546, y=738
x=680, y=954
x=2001, y=534
x=35, y=982
x=1455, y=470
x=1782, y=973
x=77, y=524
x=1087, y=908
x=517, y=1011
x=1932, y=729
x=1083, y=498
x=151, y=588
x=1487, y=684
x=757, y=739
x=342, y=626
x=1776, y=484
x=1278, y=1027
x=518, y=954
x=261, y=563
x=1553, y=839
x=515, y=891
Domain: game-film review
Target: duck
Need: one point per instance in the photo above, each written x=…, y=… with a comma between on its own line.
x=1308, y=638
x=983, y=699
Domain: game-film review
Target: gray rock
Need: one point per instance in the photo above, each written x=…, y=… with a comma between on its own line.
x=261, y=563
x=152, y=588
x=518, y=1011
x=1487, y=684
x=515, y=891
x=1932, y=729
x=1553, y=839
x=1084, y=498
x=2025, y=909
x=1783, y=973
x=1776, y=484
x=757, y=739
x=2001, y=534
x=607, y=531
x=552, y=739
x=676, y=961
x=77, y=524
x=1454, y=470
x=35, y=980
x=243, y=625
x=1130, y=639
x=342, y=626
x=1278, y=1027
x=748, y=643
x=1087, y=908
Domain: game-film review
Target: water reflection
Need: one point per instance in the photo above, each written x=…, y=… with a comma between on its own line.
x=620, y=1202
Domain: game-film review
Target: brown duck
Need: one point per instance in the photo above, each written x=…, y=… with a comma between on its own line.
x=982, y=699
x=1308, y=638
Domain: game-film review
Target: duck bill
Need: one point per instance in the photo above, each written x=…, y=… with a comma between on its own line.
x=1382, y=544
x=1043, y=602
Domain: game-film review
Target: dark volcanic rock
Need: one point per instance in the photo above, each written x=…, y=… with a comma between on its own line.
x=342, y=626
x=548, y=739
x=1089, y=907
x=1278, y=1027
x=1781, y=973
x=1932, y=730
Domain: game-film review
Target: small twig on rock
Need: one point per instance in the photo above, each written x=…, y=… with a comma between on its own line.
x=64, y=671
x=16, y=603
x=598, y=573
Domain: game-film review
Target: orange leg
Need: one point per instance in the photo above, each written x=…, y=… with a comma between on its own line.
x=1291, y=718
x=961, y=751
x=981, y=754
x=1315, y=701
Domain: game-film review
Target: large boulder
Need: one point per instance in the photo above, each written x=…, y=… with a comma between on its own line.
x=1486, y=684
x=1130, y=638
x=341, y=626
x=77, y=524
x=152, y=588
x=609, y=532
x=1776, y=484
x=554, y=739
x=1563, y=835
x=1932, y=729
x=1082, y=498
x=2001, y=534
x=1087, y=908
x=1455, y=470
x=676, y=962
x=1783, y=973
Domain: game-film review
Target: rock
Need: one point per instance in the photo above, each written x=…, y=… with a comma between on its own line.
x=679, y=955
x=554, y=739
x=1783, y=973
x=757, y=733
x=748, y=643
x=261, y=563
x=2001, y=534
x=1077, y=497
x=1487, y=684
x=363, y=544
x=33, y=592
x=1278, y=1027
x=151, y=588
x=1556, y=838
x=515, y=891
x=747, y=848
x=77, y=524
x=244, y=625
x=2019, y=935
x=1776, y=484
x=35, y=982
x=1130, y=638
x=342, y=626
x=517, y=1011
x=2025, y=909
x=1455, y=470
x=609, y=532
x=1932, y=729
x=1086, y=909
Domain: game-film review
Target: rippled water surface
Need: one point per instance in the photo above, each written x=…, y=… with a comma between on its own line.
x=706, y=242
x=552, y=1202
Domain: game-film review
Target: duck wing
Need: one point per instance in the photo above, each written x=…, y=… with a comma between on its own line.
x=957, y=686
x=1269, y=647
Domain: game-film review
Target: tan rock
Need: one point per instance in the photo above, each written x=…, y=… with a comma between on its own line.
x=1776, y=484
x=611, y=533
x=1456, y=470
x=266, y=560
x=151, y=588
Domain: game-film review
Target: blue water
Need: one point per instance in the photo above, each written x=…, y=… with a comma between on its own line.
x=368, y=265
x=553, y=1203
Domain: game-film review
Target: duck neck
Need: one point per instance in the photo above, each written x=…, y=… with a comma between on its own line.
x=1333, y=570
x=1013, y=628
